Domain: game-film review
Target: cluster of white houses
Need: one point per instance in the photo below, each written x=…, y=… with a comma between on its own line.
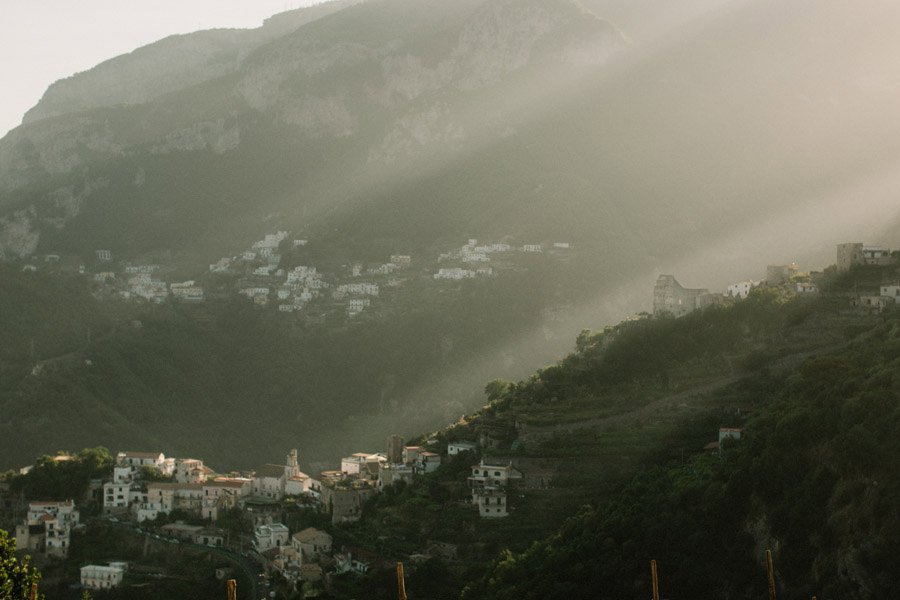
x=261, y=275
x=48, y=528
x=473, y=253
x=147, y=484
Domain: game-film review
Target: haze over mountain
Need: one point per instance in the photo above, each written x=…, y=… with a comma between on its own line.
x=708, y=140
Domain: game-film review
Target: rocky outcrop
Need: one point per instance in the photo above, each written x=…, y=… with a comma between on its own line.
x=364, y=73
x=169, y=65
x=20, y=230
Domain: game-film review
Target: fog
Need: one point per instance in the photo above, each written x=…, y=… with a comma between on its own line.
x=52, y=39
x=762, y=133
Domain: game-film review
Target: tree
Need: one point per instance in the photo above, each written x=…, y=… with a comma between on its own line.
x=16, y=577
x=495, y=389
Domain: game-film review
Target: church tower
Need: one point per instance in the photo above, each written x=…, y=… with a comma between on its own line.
x=291, y=469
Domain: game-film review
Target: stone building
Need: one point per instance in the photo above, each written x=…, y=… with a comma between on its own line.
x=781, y=274
x=669, y=297
x=856, y=253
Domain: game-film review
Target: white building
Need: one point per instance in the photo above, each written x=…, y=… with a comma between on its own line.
x=401, y=260
x=562, y=245
x=454, y=274
x=741, y=289
x=266, y=537
x=117, y=496
x=270, y=481
x=223, y=494
x=454, y=448
x=891, y=291
x=190, y=470
x=532, y=248
x=428, y=462
x=104, y=255
x=362, y=289
x=163, y=498
x=271, y=241
x=729, y=433
x=47, y=528
x=300, y=484
x=357, y=305
x=187, y=291
x=100, y=577
x=489, y=483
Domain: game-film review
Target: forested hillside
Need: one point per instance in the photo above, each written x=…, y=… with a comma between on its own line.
x=617, y=429
x=237, y=384
x=814, y=479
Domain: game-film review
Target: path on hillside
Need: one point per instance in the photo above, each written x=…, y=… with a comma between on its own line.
x=653, y=408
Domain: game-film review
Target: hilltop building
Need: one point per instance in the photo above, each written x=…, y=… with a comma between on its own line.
x=781, y=274
x=854, y=254
x=669, y=297
x=741, y=289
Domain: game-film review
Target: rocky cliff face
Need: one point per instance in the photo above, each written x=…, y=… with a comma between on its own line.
x=169, y=65
x=394, y=75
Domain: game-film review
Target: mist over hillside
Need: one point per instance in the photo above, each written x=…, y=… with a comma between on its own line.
x=706, y=141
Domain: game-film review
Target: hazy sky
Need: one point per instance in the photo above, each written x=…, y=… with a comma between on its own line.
x=46, y=40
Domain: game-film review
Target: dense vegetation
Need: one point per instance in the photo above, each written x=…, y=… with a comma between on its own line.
x=180, y=378
x=814, y=479
x=63, y=477
x=819, y=383
x=16, y=577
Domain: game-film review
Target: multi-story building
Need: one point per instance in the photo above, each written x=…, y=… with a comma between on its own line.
x=489, y=483
x=101, y=577
x=48, y=527
x=274, y=535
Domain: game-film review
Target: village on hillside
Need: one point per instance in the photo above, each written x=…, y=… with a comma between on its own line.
x=671, y=298
x=146, y=486
x=276, y=271
x=183, y=501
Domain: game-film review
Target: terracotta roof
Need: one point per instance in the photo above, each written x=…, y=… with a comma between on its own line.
x=160, y=485
x=142, y=454
x=224, y=484
x=308, y=534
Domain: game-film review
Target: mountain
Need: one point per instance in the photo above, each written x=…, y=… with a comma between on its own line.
x=406, y=126
x=359, y=87
x=169, y=65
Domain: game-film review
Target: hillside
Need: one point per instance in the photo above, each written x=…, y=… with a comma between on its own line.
x=812, y=481
x=616, y=431
x=120, y=372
